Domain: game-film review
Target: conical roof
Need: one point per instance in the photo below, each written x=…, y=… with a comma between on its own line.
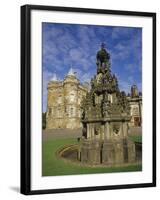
x=71, y=77
x=71, y=72
x=54, y=78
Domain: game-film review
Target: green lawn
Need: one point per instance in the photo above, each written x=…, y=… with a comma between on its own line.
x=52, y=165
x=136, y=138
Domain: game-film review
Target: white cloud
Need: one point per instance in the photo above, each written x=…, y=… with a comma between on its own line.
x=121, y=31
x=131, y=68
x=86, y=77
x=75, y=54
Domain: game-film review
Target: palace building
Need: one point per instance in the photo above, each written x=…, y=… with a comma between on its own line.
x=135, y=101
x=64, y=98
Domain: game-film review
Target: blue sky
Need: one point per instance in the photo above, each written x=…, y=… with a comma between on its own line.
x=66, y=45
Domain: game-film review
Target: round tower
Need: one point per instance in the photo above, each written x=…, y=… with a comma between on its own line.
x=71, y=84
x=54, y=107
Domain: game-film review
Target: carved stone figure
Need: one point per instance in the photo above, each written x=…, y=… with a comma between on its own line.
x=102, y=55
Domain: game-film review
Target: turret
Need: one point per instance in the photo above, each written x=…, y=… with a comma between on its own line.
x=134, y=91
x=71, y=77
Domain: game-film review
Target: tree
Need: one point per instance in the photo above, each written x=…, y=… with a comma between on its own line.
x=44, y=120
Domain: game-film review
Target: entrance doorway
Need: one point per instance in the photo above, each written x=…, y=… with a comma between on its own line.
x=137, y=121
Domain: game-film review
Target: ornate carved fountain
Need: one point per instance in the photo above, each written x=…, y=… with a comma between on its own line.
x=105, y=117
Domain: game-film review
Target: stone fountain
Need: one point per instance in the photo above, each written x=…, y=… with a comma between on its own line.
x=105, y=117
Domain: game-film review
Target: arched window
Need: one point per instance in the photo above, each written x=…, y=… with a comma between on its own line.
x=59, y=111
x=71, y=112
x=135, y=110
x=49, y=111
x=59, y=99
x=72, y=97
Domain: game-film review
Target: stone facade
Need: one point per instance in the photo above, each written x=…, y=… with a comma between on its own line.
x=135, y=101
x=63, y=106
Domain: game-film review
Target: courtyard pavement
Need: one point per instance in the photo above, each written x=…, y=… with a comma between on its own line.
x=68, y=133
x=61, y=133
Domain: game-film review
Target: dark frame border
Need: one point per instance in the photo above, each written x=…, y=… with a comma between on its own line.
x=26, y=98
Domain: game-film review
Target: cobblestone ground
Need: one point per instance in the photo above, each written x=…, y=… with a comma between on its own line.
x=67, y=133
x=61, y=133
x=135, y=131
